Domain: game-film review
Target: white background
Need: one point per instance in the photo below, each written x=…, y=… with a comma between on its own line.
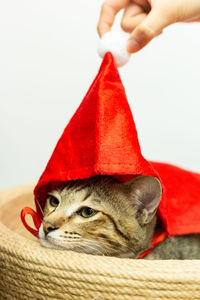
x=48, y=59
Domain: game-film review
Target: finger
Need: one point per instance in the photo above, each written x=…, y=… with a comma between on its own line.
x=144, y=4
x=130, y=24
x=193, y=20
x=133, y=15
x=150, y=27
x=108, y=12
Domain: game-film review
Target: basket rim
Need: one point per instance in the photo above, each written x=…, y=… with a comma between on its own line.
x=14, y=246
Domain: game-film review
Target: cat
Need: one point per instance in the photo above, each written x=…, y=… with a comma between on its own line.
x=102, y=216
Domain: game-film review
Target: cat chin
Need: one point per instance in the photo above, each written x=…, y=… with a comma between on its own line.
x=47, y=244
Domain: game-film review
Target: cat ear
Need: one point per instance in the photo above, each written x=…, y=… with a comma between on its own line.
x=145, y=191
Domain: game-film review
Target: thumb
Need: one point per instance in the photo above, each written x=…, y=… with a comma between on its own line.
x=150, y=27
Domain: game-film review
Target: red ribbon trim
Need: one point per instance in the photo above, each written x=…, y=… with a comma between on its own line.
x=36, y=220
x=158, y=238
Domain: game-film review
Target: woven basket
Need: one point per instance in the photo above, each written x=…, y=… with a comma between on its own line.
x=29, y=271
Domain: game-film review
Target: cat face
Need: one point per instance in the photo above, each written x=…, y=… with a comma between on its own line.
x=101, y=216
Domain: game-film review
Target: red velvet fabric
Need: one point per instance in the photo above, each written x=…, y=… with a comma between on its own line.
x=101, y=138
x=179, y=208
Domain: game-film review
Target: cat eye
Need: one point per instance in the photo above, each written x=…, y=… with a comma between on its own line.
x=87, y=212
x=53, y=201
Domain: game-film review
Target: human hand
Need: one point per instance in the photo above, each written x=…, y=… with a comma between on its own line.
x=145, y=19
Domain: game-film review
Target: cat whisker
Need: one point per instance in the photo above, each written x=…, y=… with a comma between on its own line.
x=93, y=242
x=109, y=240
x=84, y=243
x=38, y=203
x=115, y=247
x=97, y=245
x=65, y=241
x=93, y=248
x=76, y=243
x=88, y=244
x=81, y=249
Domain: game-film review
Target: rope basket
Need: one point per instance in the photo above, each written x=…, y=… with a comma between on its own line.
x=29, y=271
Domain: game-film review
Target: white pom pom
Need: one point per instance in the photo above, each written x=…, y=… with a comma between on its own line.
x=115, y=42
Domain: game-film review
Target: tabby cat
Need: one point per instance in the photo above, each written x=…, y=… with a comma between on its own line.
x=101, y=216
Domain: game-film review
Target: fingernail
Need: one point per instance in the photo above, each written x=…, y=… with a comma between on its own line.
x=133, y=46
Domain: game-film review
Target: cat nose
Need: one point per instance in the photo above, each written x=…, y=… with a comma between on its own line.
x=48, y=227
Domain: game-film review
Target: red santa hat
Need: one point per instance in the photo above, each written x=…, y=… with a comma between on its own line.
x=101, y=138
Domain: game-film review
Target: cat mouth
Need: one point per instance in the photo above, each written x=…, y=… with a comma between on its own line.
x=49, y=242
x=57, y=243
